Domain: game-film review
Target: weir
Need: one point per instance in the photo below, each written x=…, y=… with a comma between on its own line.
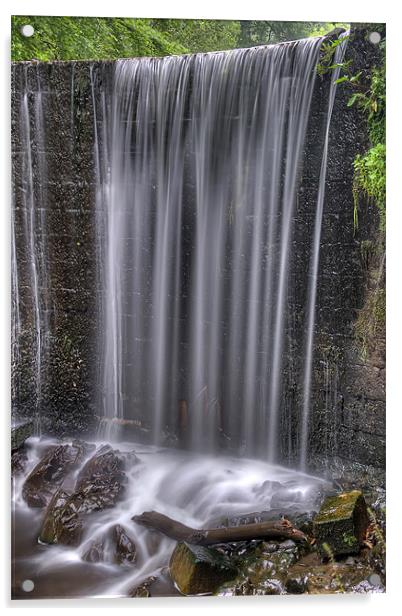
x=203, y=322
x=178, y=261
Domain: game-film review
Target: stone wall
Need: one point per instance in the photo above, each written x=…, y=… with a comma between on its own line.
x=348, y=417
x=52, y=139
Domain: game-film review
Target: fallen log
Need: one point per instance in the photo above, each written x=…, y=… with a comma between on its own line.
x=281, y=529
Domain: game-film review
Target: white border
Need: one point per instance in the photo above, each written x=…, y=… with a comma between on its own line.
x=308, y=10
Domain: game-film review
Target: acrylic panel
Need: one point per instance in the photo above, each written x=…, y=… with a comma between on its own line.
x=198, y=307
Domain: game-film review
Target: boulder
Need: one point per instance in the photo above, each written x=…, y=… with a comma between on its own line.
x=144, y=589
x=49, y=473
x=296, y=584
x=101, y=481
x=19, y=434
x=341, y=523
x=125, y=550
x=61, y=524
x=95, y=552
x=19, y=459
x=197, y=570
x=99, y=485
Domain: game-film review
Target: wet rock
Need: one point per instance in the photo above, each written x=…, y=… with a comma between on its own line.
x=61, y=524
x=296, y=584
x=50, y=472
x=269, y=547
x=364, y=587
x=19, y=434
x=268, y=488
x=144, y=589
x=287, y=545
x=248, y=586
x=198, y=570
x=19, y=460
x=99, y=485
x=342, y=523
x=95, y=552
x=272, y=587
x=125, y=550
x=101, y=481
x=283, y=497
x=320, y=578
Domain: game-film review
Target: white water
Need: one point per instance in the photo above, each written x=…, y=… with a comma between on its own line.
x=204, y=172
x=198, y=490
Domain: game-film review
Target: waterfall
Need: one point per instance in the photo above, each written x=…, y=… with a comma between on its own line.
x=204, y=171
x=314, y=261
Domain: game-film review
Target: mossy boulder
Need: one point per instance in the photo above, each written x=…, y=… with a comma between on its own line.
x=341, y=523
x=197, y=570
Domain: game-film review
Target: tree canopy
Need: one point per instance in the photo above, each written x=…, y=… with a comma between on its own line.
x=100, y=38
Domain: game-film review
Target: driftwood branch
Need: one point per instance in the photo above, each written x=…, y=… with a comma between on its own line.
x=281, y=529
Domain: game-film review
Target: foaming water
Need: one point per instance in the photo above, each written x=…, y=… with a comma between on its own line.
x=198, y=490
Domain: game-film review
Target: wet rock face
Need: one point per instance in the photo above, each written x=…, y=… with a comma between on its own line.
x=61, y=524
x=114, y=546
x=20, y=433
x=342, y=523
x=95, y=552
x=99, y=485
x=126, y=550
x=197, y=570
x=101, y=482
x=19, y=459
x=50, y=472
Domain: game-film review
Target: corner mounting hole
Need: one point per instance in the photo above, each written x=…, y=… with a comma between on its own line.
x=27, y=30
x=28, y=585
x=374, y=37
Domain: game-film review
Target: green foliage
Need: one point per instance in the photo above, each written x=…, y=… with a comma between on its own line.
x=369, y=177
x=99, y=38
x=324, y=28
x=327, y=53
x=370, y=168
x=200, y=35
x=265, y=32
x=88, y=38
x=371, y=101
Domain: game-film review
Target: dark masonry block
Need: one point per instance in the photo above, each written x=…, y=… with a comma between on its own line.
x=199, y=570
x=341, y=524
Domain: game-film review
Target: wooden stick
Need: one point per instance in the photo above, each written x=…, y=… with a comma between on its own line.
x=281, y=529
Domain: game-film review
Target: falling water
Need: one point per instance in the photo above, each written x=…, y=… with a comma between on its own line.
x=204, y=170
x=34, y=222
x=314, y=263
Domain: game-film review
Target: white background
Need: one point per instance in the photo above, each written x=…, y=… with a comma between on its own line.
x=296, y=10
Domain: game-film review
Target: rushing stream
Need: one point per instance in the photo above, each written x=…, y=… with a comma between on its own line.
x=198, y=490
